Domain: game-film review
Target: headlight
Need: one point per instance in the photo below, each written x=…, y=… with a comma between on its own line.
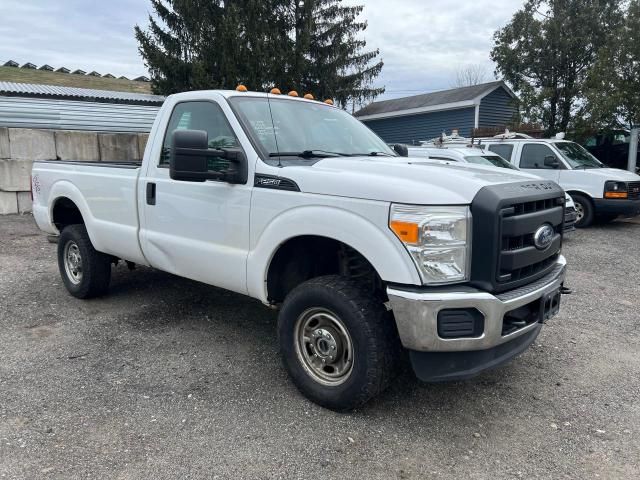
x=613, y=189
x=438, y=239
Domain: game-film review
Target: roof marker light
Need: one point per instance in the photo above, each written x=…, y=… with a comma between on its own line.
x=308, y=96
x=293, y=93
x=328, y=101
x=241, y=88
x=275, y=91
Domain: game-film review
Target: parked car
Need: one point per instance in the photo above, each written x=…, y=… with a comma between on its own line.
x=297, y=204
x=599, y=192
x=610, y=147
x=464, y=152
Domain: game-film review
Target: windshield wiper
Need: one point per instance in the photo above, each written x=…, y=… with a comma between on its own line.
x=372, y=154
x=309, y=154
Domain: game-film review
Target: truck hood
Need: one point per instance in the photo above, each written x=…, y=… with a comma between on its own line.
x=401, y=180
x=612, y=174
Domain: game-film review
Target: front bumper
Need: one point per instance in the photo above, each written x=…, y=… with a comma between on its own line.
x=416, y=315
x=612, y=206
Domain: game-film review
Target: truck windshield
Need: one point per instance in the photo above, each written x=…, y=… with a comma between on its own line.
x=577, y=156
x=492, y=160
x=292, y=128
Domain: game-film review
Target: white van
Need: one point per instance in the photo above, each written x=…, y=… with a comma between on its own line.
x=599, y=192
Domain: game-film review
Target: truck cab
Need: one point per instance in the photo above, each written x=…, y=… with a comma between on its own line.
x=294, y=202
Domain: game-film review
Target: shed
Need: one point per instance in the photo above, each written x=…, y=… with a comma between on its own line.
x=94, y=74
x=141, y=78
x=79, y=72
x=63, y=70
x=422, y=117
x=29, y=65
x=46, y=67
x=24, y=105
x=11, y=63
x=108, y=75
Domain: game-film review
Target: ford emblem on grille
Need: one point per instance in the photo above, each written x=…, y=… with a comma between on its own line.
x=543, y=236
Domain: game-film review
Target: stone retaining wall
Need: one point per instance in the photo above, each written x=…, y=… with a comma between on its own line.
x=19, y=147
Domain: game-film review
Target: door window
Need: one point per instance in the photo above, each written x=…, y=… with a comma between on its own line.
x=207, y=116
x=533, y=155
x=503, y=150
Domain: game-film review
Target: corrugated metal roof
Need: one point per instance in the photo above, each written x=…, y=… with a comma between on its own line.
x=429, y=99
x=73, y=93
x=62, y=114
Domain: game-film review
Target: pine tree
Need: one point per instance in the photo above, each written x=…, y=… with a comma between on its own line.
x=330, y=57
x=307, y=45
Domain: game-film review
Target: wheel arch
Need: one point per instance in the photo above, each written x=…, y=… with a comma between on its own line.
x=379, y=247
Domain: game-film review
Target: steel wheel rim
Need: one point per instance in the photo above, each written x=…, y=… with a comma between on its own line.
x=579, y=211
x=73, y=262
x=324, y=346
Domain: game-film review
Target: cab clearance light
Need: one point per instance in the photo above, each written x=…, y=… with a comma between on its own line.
x=241, y=88
x=308, y=96
x=293, y=93
x=407, y=232
x=328, y=101
x=275, y=91
x=616, y=195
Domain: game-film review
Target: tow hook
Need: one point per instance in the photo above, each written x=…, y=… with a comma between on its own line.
x=565, y=290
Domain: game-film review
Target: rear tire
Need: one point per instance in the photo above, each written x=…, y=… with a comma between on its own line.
x=85, y=272
x=338, y=343
x=585, y=210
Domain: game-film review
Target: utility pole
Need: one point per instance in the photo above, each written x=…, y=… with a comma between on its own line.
x=633, y=149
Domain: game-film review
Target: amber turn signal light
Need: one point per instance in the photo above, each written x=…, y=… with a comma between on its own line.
x=407, y=232
x=616, y=195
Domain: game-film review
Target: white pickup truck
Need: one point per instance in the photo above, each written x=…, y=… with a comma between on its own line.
x=296, y=203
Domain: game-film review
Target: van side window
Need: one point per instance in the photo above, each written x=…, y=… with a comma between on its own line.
x=207, y=116
x=503, y=150
x=533, y=155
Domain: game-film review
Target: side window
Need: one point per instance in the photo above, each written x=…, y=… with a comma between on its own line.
x=591, y=142
x=503, y=150
x=533, y=155
x=207, y=116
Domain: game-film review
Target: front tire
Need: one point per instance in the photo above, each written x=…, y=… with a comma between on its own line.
x=584, y=209
x=338, y=343
x=85, y=272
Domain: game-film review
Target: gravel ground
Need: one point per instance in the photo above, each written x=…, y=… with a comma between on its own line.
x=168, y=378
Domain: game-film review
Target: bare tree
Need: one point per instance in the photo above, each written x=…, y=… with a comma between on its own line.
x=467, y=75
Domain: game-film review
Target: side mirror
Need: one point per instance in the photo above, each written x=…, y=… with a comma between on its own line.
x=190, y=156
x=551, y=162
x=401, y=150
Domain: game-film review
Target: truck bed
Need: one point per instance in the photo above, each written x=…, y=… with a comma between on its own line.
x=104, y=192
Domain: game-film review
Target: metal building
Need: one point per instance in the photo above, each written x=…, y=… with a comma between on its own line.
x=422, y=117
x=25, y=105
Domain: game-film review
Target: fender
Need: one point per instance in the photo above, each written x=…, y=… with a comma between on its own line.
x=106, y=237
x=380, y=247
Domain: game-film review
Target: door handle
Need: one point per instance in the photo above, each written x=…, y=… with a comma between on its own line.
x=151, y=193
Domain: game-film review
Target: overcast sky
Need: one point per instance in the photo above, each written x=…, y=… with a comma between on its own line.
x=421, y=42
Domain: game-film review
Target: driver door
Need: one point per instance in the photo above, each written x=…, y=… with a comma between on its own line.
x=532, y=156
x=198, y=230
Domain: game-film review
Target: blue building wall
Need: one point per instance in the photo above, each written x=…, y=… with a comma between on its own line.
x=497, y=109
x=425, y=126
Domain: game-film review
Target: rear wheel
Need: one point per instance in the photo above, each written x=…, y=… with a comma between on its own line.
x=85, y=272
x=584, y=210
x=338, y=343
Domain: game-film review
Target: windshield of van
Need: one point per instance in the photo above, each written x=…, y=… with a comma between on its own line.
x=491, y=160
x=292, y=128
x=577, y=156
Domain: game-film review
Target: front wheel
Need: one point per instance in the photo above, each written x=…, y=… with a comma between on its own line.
x=338, y=343
x=584, y=210
x=85, y=272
